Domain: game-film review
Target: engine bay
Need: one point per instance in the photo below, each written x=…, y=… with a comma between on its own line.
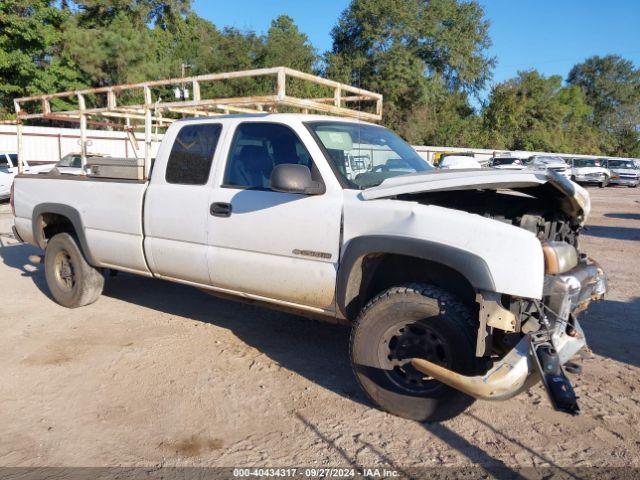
x=544, y=215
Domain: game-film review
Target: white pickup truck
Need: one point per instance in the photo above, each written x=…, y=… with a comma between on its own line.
x=458, y=284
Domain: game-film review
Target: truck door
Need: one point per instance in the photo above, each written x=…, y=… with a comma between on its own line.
x=177, y=203
x=275, y=245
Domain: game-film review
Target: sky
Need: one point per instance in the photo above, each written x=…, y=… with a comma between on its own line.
x=548, y=35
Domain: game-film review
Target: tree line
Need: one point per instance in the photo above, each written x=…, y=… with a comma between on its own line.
x=429, y=59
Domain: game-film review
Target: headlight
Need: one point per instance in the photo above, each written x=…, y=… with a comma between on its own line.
x=559, y=257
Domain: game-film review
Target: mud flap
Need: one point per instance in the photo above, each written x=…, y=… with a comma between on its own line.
x=558, y=386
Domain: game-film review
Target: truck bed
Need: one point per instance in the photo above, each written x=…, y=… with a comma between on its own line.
x=109, y=213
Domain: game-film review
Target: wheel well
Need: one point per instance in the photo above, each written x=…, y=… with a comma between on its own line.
x=382, y=271
x=50, y=224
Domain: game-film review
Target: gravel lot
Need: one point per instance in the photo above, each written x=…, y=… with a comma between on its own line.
x=157, y=374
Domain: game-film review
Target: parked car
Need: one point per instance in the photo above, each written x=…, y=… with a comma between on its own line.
x=544, y=162
x=589, y=170
x=623, y=172
x=455, y=284
x=71, y=163
x=507, y=163
x=9, y=169
x=458, y=161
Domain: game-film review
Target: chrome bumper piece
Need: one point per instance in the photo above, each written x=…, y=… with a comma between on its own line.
x=625, y=181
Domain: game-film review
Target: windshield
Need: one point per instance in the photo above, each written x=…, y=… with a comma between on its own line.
x=70, y=160
x=548, y=160
x=506, y=161
x=586, y=162
x=365, y=155
x=621, y=164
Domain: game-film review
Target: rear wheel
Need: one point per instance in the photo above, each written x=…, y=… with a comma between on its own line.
x=71, y=280
x=413, y=321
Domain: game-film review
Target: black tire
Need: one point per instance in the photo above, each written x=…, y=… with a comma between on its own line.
x=414, y=320
x=71, y=280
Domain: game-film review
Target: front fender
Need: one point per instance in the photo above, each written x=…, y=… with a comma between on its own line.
x=471, y=266
x=493, y=256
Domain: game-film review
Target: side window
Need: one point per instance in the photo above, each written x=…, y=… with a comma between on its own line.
x=192, y=153
x=257, y=148
x=4, y=161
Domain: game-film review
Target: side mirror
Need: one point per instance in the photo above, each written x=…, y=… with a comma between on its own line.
x=293, y=178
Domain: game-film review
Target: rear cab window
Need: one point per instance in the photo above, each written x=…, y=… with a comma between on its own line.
x=192, y=153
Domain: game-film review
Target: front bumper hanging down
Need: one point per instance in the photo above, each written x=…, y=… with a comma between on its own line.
x=568, y=294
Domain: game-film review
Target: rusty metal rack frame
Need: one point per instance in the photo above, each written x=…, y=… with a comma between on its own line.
x=150, y=112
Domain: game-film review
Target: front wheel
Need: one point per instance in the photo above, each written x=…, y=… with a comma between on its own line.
x=401, y=323
x=71, y=280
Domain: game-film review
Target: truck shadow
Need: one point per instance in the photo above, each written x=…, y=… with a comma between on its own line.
x=612, y=331
x=16, y=255
x=624, y=216
x=315, y=350
x=608, y=325
x=617, y=233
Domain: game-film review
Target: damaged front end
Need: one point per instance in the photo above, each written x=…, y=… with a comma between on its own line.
x=548, y=336
x=529, y=339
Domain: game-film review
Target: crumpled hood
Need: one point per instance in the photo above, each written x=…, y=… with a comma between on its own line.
x=576, y=197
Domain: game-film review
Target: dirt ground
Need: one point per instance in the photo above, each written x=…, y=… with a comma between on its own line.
x=158, y=374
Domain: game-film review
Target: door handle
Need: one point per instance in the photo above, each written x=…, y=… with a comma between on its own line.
x=220, y=209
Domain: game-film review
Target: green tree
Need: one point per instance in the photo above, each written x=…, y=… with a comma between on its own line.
x=450, y=37
x=534, y=112
x=118, y=41
x=120, y=52
x=30, y=51
x=609, y=83
x=141, y=12
x=192, y=41
x=612, y=87
x=285, y=45
x=416, y=53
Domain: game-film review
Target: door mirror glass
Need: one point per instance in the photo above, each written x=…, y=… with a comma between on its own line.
x=294, y=178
